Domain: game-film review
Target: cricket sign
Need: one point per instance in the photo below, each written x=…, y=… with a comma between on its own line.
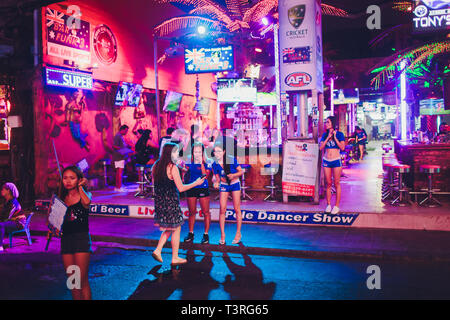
x=301, y=66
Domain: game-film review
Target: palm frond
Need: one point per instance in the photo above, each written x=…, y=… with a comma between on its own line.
x=194, y=3
x=412, y=56
x=235, y=9
x=213, y=12
x=177, y=23
x=259, y=10
x=432, y=50
x=333, y=11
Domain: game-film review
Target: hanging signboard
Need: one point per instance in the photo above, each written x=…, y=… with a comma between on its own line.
x=68, y=79
x=301, y=65
x=299, y=168
x=431, y=15
x=65, y=42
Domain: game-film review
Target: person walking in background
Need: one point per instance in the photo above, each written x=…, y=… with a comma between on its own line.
x=361, y=140
x=197, y=167
x=168, y=215
x=12, y=217
x=75, y=239
x=121, y=152
x=332, y=142
x=227, y=171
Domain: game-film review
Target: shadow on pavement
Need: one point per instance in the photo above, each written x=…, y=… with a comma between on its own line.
x=195, y=282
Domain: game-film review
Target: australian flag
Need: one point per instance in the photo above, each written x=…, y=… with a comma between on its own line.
x=297, y=55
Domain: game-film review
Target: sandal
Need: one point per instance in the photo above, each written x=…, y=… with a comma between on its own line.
x=221, y=242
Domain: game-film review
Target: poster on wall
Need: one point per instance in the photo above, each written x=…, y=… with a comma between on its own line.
x=300, y=168
x=65, y=42
x=301, y=65
x=172, y=101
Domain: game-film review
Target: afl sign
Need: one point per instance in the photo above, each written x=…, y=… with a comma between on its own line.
x=298, y=79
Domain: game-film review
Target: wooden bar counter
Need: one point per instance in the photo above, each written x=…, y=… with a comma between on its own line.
x=417, y=154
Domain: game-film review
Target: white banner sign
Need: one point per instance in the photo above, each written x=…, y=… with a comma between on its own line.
x=301, y=65
x=300, y=168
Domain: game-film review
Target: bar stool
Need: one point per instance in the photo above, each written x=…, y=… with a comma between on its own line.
x=105, y=162
x=272, y=170
x=141, y=182
x=430, y=201
x=244, y=195
x=386, y=147
x=401, y=199
x=389, y=181
x=148, y=181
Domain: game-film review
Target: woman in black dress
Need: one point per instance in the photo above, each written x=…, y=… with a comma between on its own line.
x=75, y=239
x=168, y=215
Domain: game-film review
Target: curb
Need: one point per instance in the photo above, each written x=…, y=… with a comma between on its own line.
x=376, y=255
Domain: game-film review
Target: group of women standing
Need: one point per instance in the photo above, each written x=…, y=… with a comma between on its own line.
x=168, y=183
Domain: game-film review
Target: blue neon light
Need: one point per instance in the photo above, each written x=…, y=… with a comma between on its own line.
x=68, y=79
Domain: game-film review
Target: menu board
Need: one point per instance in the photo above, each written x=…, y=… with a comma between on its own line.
x=299, y=168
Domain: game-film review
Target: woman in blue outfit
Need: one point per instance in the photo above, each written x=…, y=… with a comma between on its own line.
x=227, y=171
x=168, y=215
x=333, y=142
x=75, y=239
x=361, y=141
x=198, y=167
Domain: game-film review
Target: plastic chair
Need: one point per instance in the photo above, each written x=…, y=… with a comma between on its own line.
x=25, y=229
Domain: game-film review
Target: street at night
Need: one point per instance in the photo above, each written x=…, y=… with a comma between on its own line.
x=121, y=273
x=242, y=155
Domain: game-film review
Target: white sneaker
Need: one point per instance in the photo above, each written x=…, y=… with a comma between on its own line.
x=120, y=190
x=1, y=248
x=335, y=210
x=328, y=209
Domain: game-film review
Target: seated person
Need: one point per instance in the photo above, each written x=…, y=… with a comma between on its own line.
x=12, y=217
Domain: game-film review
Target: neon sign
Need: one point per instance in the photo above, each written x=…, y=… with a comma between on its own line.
x=431, y=15
x=68, y=79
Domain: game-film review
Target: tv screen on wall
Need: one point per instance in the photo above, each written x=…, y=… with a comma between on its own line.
x=236, y=90
x=344, y=96
x=205, y=59
x=128, y=94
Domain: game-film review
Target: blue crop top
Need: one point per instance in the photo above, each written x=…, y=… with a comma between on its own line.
x=217, y=168
x=331, y=144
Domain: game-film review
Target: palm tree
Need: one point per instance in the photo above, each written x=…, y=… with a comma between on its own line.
x=417, y=57
x=237, y=16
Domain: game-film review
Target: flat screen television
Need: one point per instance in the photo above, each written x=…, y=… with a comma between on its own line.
x=344, y=96
x=128, y=94
x=172, y=101
x=432, y=107
x=208, y=59
x=236, y=90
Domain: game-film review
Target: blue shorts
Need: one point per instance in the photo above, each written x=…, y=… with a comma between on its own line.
x=232, y=187
x=332, y=164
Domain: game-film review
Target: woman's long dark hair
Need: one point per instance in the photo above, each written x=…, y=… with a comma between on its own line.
x=159, y=170
x=196, y=145
x=333, y=123
x=221, y=143
x=62, y=194
x=142, y=141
